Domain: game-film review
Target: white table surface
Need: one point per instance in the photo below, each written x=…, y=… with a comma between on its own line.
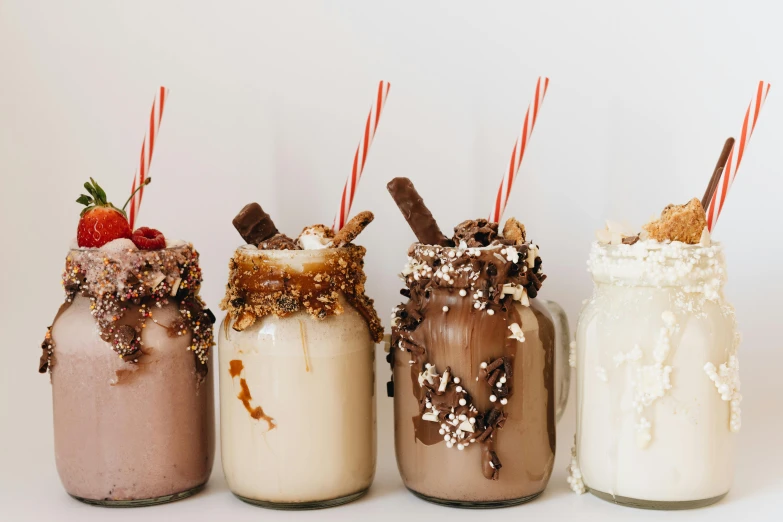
x=30, y=489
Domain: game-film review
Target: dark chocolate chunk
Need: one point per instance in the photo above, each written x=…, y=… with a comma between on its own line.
x=278, y=242
x=390, y=389
x=210, y=316
x=253, y=224
x=416, y=213
x=43, y=363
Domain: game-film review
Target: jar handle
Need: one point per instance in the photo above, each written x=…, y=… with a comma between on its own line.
x=562, y=349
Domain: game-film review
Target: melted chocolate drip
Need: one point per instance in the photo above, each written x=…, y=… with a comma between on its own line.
x=466, y=296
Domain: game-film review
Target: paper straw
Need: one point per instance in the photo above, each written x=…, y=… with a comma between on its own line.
x=519, y=150
x=360, y=158
x=147, y=148
x=736, y=154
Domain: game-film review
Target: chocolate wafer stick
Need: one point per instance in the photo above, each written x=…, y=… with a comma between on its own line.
x=713, y=184
x=253, y=224
x=416, y=213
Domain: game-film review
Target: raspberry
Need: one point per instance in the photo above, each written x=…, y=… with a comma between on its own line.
x=148, y=239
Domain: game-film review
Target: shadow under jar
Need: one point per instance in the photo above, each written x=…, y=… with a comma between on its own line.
x=129, y=357
x=657, y=377
x=476, y=395
x=297, y=373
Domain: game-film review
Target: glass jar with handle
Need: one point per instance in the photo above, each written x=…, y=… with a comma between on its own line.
x=480, y=375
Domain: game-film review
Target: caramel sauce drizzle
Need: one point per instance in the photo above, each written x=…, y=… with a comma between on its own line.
x=235, y=368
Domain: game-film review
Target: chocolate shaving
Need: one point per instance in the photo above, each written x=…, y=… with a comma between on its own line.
x=485, y=435
x=416, y=213
x=497, y=363
x=253, y=224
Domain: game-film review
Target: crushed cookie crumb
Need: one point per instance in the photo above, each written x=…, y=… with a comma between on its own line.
x=261, y=285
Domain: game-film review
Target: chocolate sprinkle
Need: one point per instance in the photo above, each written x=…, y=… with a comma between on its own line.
x=116, y=280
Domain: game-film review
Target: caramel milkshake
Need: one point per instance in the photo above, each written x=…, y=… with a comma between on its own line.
x=297, y=367
x=473, y=359
x=129, y=358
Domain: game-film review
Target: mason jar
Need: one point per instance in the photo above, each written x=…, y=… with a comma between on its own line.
x=133, y=415
x=458, y=359
x=298, y=425
x=658, y=385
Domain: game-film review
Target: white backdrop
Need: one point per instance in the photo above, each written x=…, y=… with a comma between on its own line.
x=267, y=103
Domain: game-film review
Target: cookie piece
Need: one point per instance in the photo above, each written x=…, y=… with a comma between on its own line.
x=353, y=228
x=514, y=231
x=683, y=223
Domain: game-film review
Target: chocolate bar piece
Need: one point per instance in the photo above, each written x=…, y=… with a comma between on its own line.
x=416, y=213
x=253, y=224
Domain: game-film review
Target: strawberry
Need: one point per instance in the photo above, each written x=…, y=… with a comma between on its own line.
x=148, y=239
x=101, y=221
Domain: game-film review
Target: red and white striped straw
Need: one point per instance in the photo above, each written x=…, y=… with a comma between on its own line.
x=360, y=158
x=736, y=154
x=519, y=150
x=147, y=148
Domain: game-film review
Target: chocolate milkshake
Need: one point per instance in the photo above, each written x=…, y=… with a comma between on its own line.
x=473, y=363
x=129, y=358
x=297, y=367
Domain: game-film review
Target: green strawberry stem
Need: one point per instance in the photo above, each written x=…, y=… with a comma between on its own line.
x=146, y=182
x=96, y=197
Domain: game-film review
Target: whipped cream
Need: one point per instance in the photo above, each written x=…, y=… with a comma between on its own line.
x=314, y=239
x=118, y=245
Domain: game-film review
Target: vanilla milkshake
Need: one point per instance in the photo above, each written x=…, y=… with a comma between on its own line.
x=297, y=368
x=657, y=370
x=473, y=359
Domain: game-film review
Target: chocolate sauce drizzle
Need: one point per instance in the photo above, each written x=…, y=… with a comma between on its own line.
x=476, y=283
x=113, y=281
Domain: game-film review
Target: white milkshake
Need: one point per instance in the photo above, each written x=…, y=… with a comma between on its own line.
x=657, y=381
x=297, y=371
